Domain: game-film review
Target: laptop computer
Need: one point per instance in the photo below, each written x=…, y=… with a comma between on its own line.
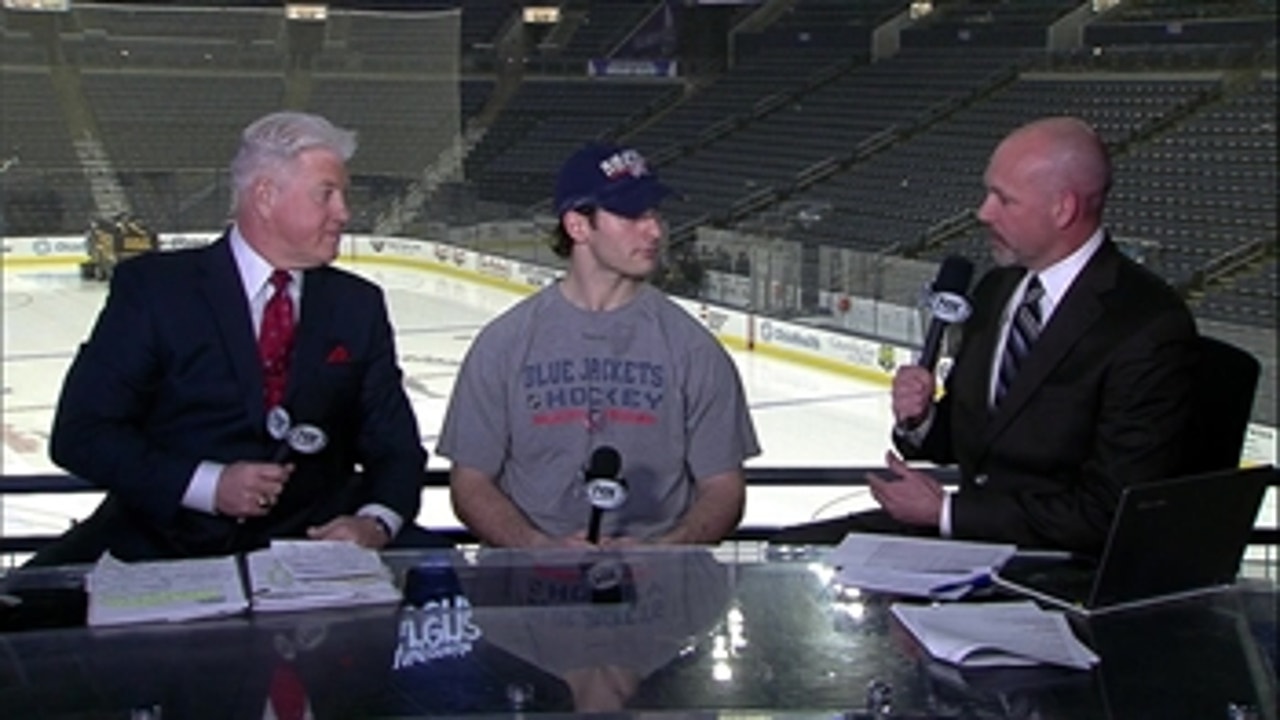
x=1169, y=539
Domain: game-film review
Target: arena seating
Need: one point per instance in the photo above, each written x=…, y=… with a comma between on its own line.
x=1165, y=22
x=482, y=20
x=401, y=37
x=544, y=122
x=415, y=120
x=607, y=24
x=810, y=44
x=880, y=202
x=808, y=132
x=1160, y=10
x=33, y=119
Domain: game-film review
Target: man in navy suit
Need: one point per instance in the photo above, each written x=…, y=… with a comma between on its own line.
x=1101, y=400
x=164, y=406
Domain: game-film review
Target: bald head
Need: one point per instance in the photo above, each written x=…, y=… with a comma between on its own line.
x=1047, y=183
x=1068, y=157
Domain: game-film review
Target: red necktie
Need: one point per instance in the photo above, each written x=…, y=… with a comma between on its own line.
x=287, y=696
x=275, y=340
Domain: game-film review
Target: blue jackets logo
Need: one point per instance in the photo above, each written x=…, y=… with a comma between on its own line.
x=439, y=629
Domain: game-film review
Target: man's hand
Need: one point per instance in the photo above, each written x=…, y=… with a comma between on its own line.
x=250, y=489
x=621, y=542
x=716, y=510
x=913, y=391
x=576, y=540
x=910, y=496
x=492, y=516
x=359, y=529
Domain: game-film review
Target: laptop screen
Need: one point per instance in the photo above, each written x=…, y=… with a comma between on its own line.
x=1168, y=538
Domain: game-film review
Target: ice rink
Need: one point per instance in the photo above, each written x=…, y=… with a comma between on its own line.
x=804, y=417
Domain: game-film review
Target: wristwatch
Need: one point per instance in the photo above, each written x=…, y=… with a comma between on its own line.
x=383, y=525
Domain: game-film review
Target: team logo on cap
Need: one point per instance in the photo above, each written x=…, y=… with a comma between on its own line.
x=624, y=163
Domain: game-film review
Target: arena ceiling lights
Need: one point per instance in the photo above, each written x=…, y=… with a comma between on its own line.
x=306, y=12
x=541, y=15
x=38, y=5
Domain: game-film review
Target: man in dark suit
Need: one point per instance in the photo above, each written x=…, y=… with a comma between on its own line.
x=1052, y=409
x=166, y=406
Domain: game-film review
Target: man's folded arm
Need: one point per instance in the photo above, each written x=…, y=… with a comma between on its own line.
x=488, y=513
x=716, y=510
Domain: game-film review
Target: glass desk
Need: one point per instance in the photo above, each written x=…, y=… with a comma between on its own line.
x=658, y=631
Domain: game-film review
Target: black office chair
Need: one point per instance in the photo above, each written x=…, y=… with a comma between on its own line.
x=1226, y=379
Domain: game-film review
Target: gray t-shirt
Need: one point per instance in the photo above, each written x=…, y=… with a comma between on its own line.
x=546, y=383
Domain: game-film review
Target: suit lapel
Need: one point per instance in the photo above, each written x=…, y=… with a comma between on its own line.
x=222, y=288
x=1075, y=315
x=970, y=380
x=986, y=336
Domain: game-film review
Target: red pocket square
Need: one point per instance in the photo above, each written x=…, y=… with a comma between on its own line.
x=338, y=355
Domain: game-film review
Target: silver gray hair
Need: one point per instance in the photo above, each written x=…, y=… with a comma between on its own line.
x=270, y=143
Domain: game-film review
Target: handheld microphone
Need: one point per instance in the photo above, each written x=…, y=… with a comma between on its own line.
x=303, y=438
x=605, y=489
x=609, y=579
x=947, y=304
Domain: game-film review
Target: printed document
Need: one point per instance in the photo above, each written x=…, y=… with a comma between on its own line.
x=916, y=567
x=301, y=574
x=121, y=593
x=991, y=634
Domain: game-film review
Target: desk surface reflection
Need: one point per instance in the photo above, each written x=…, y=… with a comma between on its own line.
x=649, y=630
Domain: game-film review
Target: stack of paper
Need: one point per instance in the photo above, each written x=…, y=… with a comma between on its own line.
x=170, y=590
x=916, y=567
x=988, y=634
x=295, y=575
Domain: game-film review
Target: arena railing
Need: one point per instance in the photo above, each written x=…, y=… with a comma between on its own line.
x=756, y=477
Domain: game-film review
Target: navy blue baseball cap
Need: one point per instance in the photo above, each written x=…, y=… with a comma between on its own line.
x=611, y=177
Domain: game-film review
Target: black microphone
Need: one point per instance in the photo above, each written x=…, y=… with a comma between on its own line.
x=303, y=438
x=947, y=304
x=609, y=579
x=605, y=489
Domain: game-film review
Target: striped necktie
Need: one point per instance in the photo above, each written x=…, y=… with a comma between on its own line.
x=1023, y=332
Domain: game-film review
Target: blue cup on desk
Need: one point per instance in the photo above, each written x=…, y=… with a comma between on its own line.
x=435, y=622
x=432, y=580
x=441, y=663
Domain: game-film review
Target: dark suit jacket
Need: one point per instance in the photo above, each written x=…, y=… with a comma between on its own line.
x=170, y=377
x=1103, y=401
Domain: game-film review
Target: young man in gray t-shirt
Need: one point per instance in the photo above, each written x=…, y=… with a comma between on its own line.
x=599, y=359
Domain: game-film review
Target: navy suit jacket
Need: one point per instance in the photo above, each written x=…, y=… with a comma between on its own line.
x=170, y=377
x=1103, y=401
